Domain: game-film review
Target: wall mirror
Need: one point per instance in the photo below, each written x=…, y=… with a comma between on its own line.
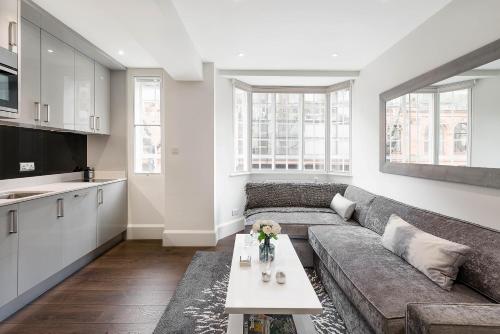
x=445, y=124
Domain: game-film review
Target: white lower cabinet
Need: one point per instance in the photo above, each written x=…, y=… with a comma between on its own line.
x=112, y=211
x=8, y=253
x=40, y=246
x=79, y=232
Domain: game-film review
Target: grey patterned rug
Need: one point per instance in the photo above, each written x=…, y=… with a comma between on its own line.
x=198, y=303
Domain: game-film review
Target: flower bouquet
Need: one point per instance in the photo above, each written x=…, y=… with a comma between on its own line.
x=266, y=229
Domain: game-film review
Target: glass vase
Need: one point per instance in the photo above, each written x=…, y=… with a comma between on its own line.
x=266, y=251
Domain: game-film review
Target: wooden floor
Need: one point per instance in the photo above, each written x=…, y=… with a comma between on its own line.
x=124, y=291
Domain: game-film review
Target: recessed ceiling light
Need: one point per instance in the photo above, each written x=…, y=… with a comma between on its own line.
x=50, y=51
x=121, y=52
x=334, y=55
x=241, y=54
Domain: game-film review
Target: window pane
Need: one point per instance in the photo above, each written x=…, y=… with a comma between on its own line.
x=147, y=101
x=340, y=130
x=287, y=131
x=421, y=113
x=147, y=149
x=240, y=130
x=314, y=131
x=262, y=130
x=453, y=127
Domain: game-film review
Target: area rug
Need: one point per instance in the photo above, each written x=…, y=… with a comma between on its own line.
x=198, y=303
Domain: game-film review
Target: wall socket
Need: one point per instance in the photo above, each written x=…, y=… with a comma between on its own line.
x=26, y=166
x=235, y=212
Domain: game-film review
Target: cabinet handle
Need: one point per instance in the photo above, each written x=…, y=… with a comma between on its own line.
x=92, y=121
x=60, y=207
x=12, y=36
x=98, y=123
x=37, y=111
x=47, y=107
x=13, y=221
x=100, y=197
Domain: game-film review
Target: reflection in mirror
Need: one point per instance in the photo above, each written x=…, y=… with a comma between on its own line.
x=454, y=122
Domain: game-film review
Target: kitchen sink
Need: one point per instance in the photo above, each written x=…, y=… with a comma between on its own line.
x=21, y=194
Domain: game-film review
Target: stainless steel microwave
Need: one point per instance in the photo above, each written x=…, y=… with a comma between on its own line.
x=8, y=84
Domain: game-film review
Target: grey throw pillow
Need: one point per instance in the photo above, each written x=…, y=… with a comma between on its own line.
x=343, y=206
x=437, y=258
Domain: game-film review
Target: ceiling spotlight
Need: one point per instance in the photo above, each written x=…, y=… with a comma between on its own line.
x=121, y=53
x=50, y=51
x=334, y=55
x=241, y=54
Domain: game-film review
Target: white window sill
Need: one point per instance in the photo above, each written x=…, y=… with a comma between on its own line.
x=290, y=172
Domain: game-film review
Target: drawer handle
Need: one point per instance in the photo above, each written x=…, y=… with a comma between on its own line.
x=60, y=208
x=13, y=221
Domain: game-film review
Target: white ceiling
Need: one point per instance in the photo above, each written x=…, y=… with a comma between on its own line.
x=149, y=32
x=300, y=34
x=273, y=34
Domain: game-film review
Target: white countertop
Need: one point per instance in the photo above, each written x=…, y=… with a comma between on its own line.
x=51, y=189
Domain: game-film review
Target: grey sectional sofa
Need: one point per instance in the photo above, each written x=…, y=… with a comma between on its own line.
x=374, y=289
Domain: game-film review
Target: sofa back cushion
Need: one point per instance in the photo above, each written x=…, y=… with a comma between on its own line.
x=363, y=201
x=481, y=271
x=275, y=194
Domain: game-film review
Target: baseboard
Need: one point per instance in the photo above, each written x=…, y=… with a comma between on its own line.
x=24, y=299
x=231, y=227
x=145, y=231
x=189, y=238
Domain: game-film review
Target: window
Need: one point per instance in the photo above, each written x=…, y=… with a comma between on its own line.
x=240, y=130
x=340, y=130
x=289, y=130
x=147, y=125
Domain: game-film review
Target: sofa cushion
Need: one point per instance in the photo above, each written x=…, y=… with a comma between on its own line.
x=363, y=201
x=377, y=282
x=274, y=194
x=295, y=221
x=342, y=206
x=481, y=271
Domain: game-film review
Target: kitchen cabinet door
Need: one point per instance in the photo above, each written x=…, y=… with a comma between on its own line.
x=102, y=99
x=8, y=253
x=40, y=246
x=8, y=15
x=79, y=234
x=30, y=111
x=112, y=211
x=84, y=93
x=58, y=83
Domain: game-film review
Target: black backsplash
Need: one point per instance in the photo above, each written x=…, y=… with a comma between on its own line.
x=52, y=152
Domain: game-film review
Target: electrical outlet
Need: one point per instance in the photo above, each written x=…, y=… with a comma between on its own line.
x=26, y=166
x=235, y=212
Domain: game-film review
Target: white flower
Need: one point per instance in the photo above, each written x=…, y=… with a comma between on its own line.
x=267, y=229
x=276, y=229
x=256, y=227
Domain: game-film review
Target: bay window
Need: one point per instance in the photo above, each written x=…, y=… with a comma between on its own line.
x=293, y=129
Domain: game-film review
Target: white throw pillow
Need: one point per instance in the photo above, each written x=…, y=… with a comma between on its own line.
x=343, y=206
x=437, y=258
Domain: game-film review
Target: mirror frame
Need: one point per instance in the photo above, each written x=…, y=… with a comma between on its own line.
x=478, y=176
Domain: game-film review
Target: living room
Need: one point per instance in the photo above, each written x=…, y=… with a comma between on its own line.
x=246, y=166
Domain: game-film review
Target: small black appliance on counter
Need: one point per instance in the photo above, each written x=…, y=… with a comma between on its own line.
x=88, y=174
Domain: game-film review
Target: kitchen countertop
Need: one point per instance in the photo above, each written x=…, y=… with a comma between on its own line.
x=51, y=189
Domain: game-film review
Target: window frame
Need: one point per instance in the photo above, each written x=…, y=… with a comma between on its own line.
x=327, y=123
x=134, y=125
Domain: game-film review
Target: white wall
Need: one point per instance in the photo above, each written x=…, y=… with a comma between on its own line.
x=486, y=123
x=459, y=28
x=189, y=188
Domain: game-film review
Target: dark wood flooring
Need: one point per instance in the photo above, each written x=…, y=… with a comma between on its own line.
x=125, y=290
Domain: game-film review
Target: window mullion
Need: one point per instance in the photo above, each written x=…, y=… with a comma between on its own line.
x=301, y=132
x=327, y=132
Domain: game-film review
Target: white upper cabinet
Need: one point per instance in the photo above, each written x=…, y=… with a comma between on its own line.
x=84, y=93
x=30, y=112
x=8, y=24
x=102, y=99
x=58, y=83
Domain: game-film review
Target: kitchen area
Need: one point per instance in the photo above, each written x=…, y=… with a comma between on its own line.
x=57, y=214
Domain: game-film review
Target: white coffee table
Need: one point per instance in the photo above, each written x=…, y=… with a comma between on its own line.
x=248, y=294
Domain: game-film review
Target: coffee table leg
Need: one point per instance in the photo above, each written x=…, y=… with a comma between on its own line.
x=235, y=324
x=304, y=324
